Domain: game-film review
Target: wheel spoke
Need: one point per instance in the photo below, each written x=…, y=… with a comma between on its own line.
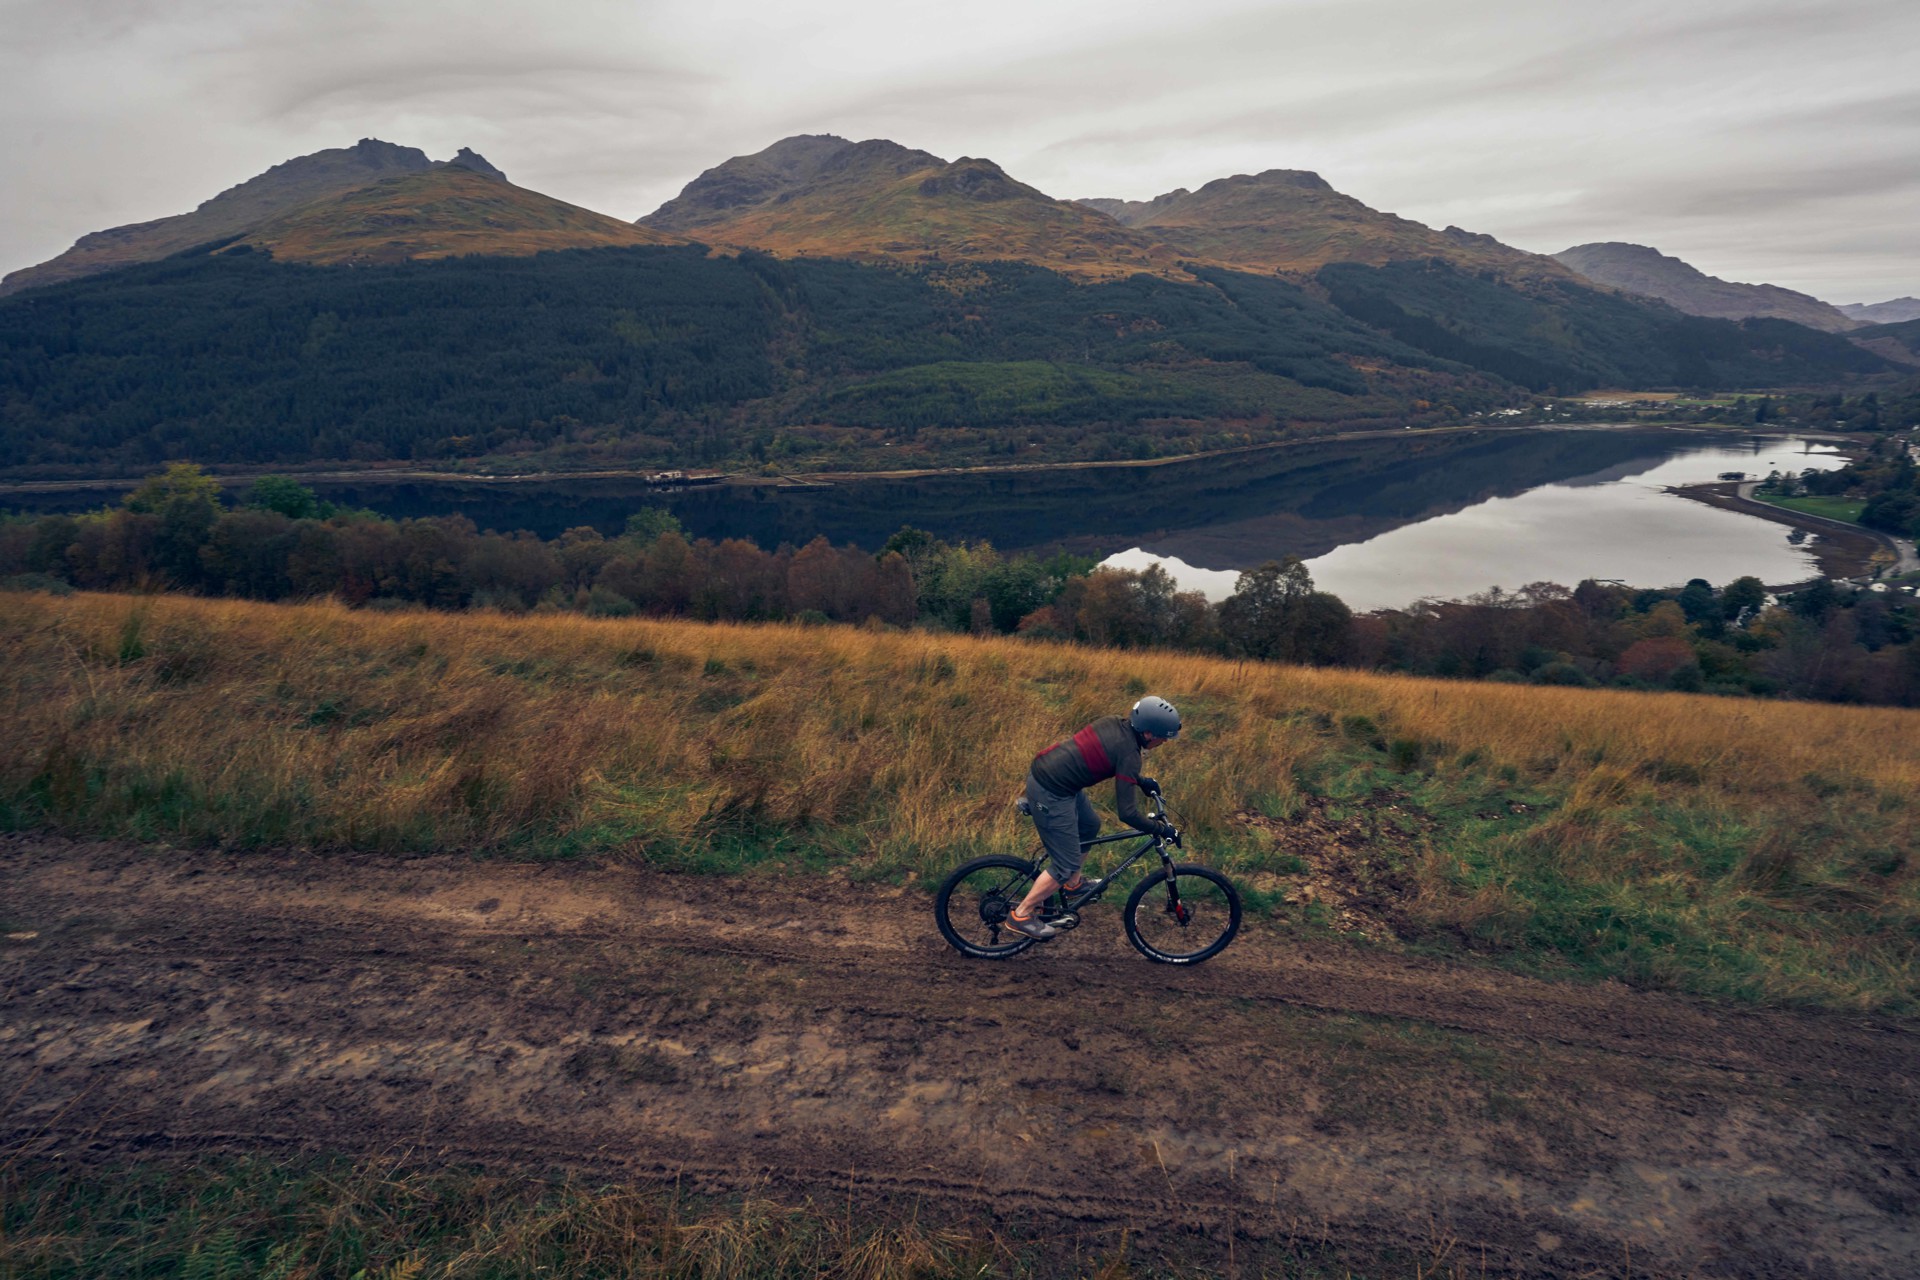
x=1186, y=918
x=975, y=903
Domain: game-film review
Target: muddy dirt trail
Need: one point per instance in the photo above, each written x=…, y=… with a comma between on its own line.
x=734, y=1034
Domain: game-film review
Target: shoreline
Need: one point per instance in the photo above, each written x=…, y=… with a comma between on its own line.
x=815, y=479
x=1842, y=550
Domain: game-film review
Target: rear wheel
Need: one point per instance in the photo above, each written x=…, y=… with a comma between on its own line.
x=1185, y=920
x=973, y=905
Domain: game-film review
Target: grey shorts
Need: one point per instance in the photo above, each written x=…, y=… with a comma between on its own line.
x=1065, y=824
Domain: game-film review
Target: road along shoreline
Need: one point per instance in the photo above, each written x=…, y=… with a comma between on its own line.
x=1843, y=550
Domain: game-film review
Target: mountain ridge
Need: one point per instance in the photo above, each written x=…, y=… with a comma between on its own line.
x=819, y=195
x=1295, y=221
x=455, y=209
x=1892, y=311
x=240, y=208
x=1644, y=270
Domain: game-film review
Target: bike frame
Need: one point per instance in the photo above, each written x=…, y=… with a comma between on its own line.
x=1097, y=885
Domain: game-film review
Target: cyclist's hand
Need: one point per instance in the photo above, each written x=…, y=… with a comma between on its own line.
x=1167, y=831
x=1148, y=785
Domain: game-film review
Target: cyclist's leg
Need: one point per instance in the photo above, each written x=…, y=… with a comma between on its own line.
x=1057, y=820
x=1089, y=822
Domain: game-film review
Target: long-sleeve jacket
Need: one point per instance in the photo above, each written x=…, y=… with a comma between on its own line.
x=1107, y=748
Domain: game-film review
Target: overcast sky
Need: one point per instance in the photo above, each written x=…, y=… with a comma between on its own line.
x=1761, y=141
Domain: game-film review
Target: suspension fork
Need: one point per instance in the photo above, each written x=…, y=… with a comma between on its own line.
x=1175, y=908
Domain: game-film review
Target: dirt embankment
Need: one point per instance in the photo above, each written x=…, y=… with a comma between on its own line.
x=814, y=1035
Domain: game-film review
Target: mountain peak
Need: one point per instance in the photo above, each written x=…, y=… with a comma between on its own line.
x=1305, y=179
x=239, y=209
x=1642, y=269
x=1293, y=220
x=782, y=172
x=452, y=209
x=819, y=195
x=466, y=158
x=973, y=179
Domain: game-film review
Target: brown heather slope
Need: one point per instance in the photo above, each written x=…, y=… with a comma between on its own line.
x=283, y=188
x=441, y=213
x=1634, y=268
x=1293, y=221
x=822, y=196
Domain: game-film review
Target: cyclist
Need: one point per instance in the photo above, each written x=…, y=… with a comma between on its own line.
x=1057, y=785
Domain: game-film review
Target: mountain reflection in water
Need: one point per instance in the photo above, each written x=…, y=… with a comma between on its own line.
x=1617, y=522
x=1224, y=512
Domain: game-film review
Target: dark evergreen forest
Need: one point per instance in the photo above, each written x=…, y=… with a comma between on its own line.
x=668, y=355
x=1564, y=337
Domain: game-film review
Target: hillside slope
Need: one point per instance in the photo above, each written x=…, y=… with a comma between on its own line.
x=440, y=213
x=663, y=353
x=279, y=190
x=1636, y=268
x=1899, y=341
x=821, y=196
x=1291, y=220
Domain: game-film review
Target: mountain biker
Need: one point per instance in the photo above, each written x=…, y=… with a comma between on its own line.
x=1057, y=785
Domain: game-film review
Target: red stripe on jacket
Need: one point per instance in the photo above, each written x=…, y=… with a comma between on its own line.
x=1088, y=744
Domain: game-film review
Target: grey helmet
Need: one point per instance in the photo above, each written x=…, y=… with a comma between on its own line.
x=1155, y=716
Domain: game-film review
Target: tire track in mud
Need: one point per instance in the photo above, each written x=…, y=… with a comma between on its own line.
x=722, y=1032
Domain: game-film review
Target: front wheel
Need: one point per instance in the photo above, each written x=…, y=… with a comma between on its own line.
x=1183, y=920
x=973, y=905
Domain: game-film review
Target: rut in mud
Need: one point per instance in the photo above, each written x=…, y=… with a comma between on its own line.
x=817, y=1037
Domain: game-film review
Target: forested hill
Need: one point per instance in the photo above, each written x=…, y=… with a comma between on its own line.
x=669, y=355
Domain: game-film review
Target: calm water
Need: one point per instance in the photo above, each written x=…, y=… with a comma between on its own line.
x=1381, y=520
x=1615, y=523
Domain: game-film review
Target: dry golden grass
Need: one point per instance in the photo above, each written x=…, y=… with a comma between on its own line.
x=442, y=213
x=1763, y=841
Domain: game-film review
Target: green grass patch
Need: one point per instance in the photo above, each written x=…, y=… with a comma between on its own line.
x=1832, y=506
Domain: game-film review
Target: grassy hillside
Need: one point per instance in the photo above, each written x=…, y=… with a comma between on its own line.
x=441, y=213
x=283, y=188
x=1289, y=220
x=965, y=211
x=1758, y=850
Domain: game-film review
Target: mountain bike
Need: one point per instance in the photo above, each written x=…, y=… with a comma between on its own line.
x=1181, y=913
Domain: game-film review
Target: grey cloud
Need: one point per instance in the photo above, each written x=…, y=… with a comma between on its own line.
x=1767, y=135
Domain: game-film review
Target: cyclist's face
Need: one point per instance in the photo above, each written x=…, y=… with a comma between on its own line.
x=1148, y=742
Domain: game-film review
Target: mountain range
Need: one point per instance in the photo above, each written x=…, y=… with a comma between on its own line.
x=817, y=195
x=821, y=286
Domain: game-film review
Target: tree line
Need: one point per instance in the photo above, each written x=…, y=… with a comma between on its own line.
x=174, y=532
